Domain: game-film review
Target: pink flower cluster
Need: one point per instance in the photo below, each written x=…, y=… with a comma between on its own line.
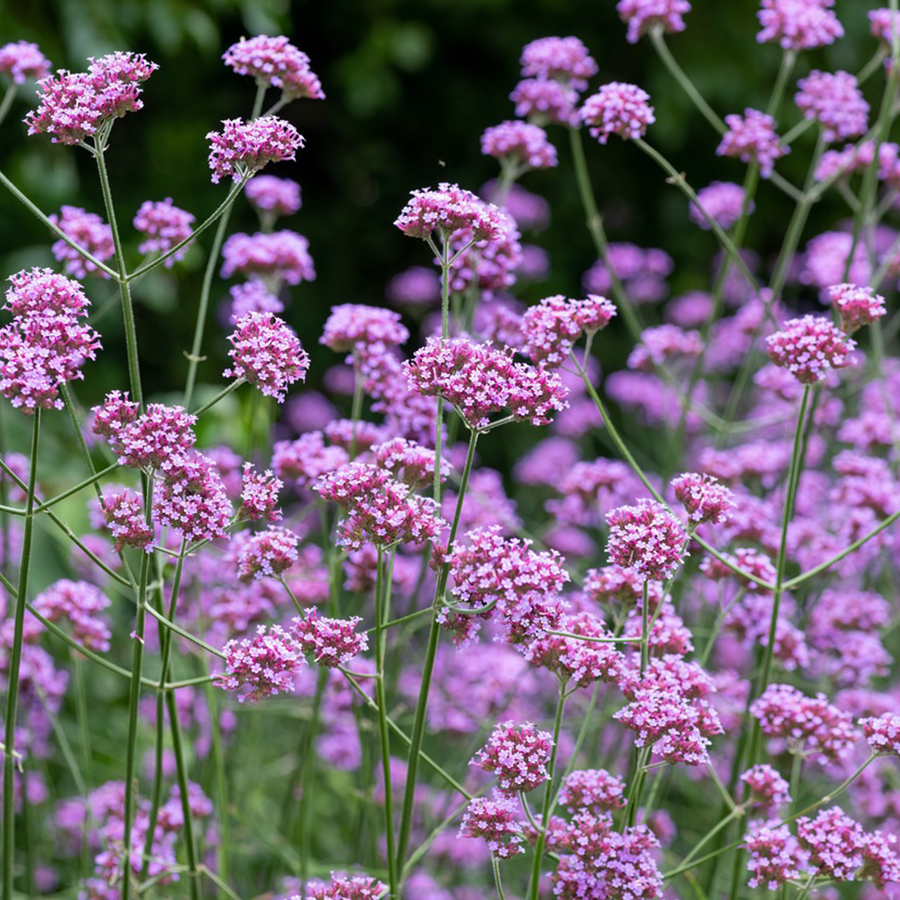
x=268, y=553
x=408, y=462
x=45, y=345
x=753, y=138
x=448, y=209
x=518, y=755
x=75, y=105
x=594, y=790
x=520, y=143
x=799, y=24
x=642, y=16
x=496, y=822
x=332, y=642
x=835, y=101
x=646, y=538
x=775, y=855
x=241, y=148
x=87, y=230
x=703, y=497
x=80, y=604
x=259, y=495
x=267, y=354
x=546, y=101
x=125, y=518
x=22, y=60
x=347, y=887
x=857, y=305
x=281, y=254
x=883, y=22
x=767, y=789
x=352, y=324
x=882, y=733
x=277, y=62
x=551, y=328
x=261, y=666
x=722, y=201
x=480, y=381
x=618, y=108
x=164, y=225
x=273, y=196
x=809, y=346
x=563, y=59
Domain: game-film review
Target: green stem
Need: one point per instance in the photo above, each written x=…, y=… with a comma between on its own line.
x=193, y=872
x=221, y=395
x=8, y=98
x=46, y=504
x=218, y=761
x=645, y=628
x=495, y=866
x=15, y=658
x=535, y=883
x=308, y=781
x=418, y=732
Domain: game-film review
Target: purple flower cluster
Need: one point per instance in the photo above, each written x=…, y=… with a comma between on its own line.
x=775, y=855
x=259, y=495
x=164, y=225
x=551, y=328
x=125, y=518
x=241, y=148
x=273, y=196
x=767, y=789
x=87, y=230
x=353, y=324
x=646, y=538
x=495, y=821
x=277, y=62
x=809, y=346
x=448, y=209
x=618, y=108
x=332, y=642
x=22, y=60
x=753, y=138
x=799, y=24
x=268, y=553
x=282, y=255
x=261, y=666
x=518, y=755
x=721, y=201
x=642, y=16
x=704, y=499
x=80, y=604
x=835, y=101
x=856, y=305
x=520, y=143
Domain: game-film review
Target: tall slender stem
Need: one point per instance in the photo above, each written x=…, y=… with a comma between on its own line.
x=183, y=789
x=15, y=659
x=8, y=98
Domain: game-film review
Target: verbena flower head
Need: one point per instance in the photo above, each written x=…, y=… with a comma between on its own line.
x=251, y=297
x=267, y=553
x=351, y=324
x=275, y=61
x=303, y=461
x=722, y=201
x=156, y=439
x=39, y=292
x=80, y=604
x=551, y=328
x=646, y=538
x=409, y=462
x=799, y=24
x=835, y=101
x=446, y=210
x=643, y=15
x=164, y=225
x=261, y=666
x=546, y=102
x=280, y=254
x=882, y=23
x=882, y=733
x=825, y=731
x=520, y=143
x=752, y=137
x=857, y=305
x=267, y=353
x=594, y=790
x=664, y=345
x=768, y=789
x=775, y=855
x=88, y=230
x=480, y=381
x=618, y=108
x=124, y=513
x=703, y=497
x=74, y=106
x=259, y=495
x=332, y=642
x=193, y=499
x=809, y=346
x=518, y=754
x=496, y=822
x=834, y=843
x=21, y=60
x=562, y=59
x=275, y=196
x=243, y=148
x=347, y=887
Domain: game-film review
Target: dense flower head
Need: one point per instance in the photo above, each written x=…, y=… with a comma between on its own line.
x=704, y=498
x=251, y=296
x=834, y=843
x=551, y=328
x=809, y=346
x=883, y=22
x=350, y=433
x=546, y=101
x=835, y=101
x=259, y=495
x=491, y=265
x=21, y=60
x=647, y=538
x=618, y=108
x=164, y=225
x=449, y=208
x=643, y=15
x=480, y=381
x=303, y=461
x=496, y=822
x=766, y=787
x=355, y=323
x=592, y=789
x=193, y=499
x=159, y=436
x=267, y=354
x=39, y=292
x=260, y=666
x=604, y=863
x=243, y=148
x=519, y=142
x=857, y=305
x=267, y=553
x=87, y=230
x=722, y=201
x=75, y=105
x=346, y=887
x=518, y=754
x=275, y=61
x=562, y=59
x=882, y=733
x=664, y=345
x=333, y=642
x=409, y=462
x=276, y=196
x=80, y=604
x=280, y=254
x=124, y=513
x=799, y=24
x=752, y=137
x=775, y=855
x=826, y=732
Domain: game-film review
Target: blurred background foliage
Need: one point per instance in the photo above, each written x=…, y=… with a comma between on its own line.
x=411, y=85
